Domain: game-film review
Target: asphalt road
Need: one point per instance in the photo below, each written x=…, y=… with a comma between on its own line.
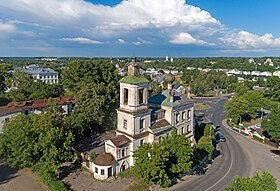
x=232, y=161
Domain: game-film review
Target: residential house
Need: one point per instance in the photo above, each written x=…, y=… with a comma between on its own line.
x=32, y=107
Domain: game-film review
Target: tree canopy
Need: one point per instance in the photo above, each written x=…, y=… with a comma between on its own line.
x=28, y=89
x=161, y=162
x=272, y=123
x=259, y=182
x=3, y=77
x=94, y=101
x=82, y=72
x=35, y=141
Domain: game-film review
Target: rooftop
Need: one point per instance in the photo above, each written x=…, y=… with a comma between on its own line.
x=34, y=69
x=120, y=140
x=134, y=80
x=15, y=107
x=104, y=159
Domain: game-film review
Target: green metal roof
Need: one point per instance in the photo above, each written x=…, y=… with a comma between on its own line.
x=134, y=80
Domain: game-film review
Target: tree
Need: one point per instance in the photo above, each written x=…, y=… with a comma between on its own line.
x=237, y=108
x=155, y=88
x=259, y=182
x=28, y=89
x=205, y=145
x=3, y=77
x=82, y=72
x=272, y=123
x=35, y=141
x=94, y=101
x=162, y=161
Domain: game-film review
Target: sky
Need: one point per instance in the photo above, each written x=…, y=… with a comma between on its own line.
x=150, y=28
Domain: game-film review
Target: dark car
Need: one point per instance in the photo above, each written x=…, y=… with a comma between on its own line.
x=220, y=137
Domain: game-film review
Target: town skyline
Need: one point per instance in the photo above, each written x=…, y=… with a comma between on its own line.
x=194, y=28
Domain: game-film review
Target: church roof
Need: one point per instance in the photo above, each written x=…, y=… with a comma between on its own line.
x=105, y=159
x=120, y=140
x=160, y=123
x=134, y=80
x=163, y=99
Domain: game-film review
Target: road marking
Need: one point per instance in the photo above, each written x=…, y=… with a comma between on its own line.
x=231, y=163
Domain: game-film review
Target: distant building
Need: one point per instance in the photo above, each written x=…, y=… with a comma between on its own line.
x=269, y=62
x=46, y=75
x=276, y=73
x=49, y=59
x=251, y=61
x=166, y=59
x=171, y=59
x=32, y=107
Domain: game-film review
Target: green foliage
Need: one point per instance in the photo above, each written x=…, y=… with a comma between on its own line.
x=52, y=183
x=28, y=89
x=255, y=137
x=205, y=146
x=161, y=162
x=209, y=131
x=79, y=73
x=94, y=101
x=246, y=105
x=272, y=123
x=3, y=77
x=202, y=83
x=236, y=108
x=259, y=182
x=155, y=88
x=35, y=141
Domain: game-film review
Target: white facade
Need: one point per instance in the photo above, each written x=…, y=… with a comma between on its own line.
x=138, y=123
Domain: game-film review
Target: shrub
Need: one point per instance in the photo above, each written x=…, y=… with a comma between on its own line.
x=52, y=183
x=257, y=138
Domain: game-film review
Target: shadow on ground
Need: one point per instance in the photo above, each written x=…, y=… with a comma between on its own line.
x=6, y=173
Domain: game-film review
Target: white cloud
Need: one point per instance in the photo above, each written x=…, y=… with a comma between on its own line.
x=186, y=38
x=137, y=43
x=85, y=17
x=246, y=40
x=121, y=41
x=6, y=27
x=82, y=40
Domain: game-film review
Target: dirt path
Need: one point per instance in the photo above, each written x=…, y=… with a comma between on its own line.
x=18, y=180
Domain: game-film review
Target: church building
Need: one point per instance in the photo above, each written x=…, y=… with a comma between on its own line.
x=143, y=120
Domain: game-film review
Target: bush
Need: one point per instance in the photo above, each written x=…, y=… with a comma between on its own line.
x=205, y=146
x=257, y=138
x=52, y=183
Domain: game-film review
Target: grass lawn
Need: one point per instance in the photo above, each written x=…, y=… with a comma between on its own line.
x=199, y=106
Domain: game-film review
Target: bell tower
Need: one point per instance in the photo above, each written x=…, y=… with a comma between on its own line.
x=133, y=90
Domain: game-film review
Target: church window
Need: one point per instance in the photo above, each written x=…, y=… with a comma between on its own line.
x=142, y=124
x=183, y=116
x=182, y=130
x=125, y=124
x=96, y=170
x=141, y=96
x=189, y=115
x=123, y=152
x=177, y=117
x=142, y=142
x=125, y=101
x=102, y=171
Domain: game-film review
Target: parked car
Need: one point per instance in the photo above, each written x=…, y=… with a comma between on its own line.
x=220, y=137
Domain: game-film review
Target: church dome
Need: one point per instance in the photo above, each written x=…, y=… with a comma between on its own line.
x=105, y=159
x=169, y=78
